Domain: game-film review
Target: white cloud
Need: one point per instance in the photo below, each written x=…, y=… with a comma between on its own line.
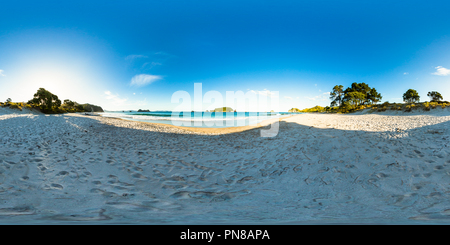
x=135, y=56
x=115, y=98
x=1, y=73
x=287, y=97
x=150, y=65
x=405, y=73
x=322, y=97
x=264, y=92
x=143, y=79
x=441, y=71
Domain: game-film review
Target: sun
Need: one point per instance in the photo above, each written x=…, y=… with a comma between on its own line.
x=60, y=79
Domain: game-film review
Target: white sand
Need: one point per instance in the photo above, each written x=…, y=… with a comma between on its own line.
x=320, y=168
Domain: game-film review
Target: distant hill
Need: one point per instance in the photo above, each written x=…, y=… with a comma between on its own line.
x=91, y=108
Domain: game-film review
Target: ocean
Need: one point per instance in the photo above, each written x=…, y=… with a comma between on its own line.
x=197, y=119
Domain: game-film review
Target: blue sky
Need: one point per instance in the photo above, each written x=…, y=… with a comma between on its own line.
x=135, y=54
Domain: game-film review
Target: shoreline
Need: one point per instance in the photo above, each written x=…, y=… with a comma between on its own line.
x=211, y=130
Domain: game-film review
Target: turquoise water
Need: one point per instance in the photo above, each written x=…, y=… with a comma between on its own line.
x=198, y=119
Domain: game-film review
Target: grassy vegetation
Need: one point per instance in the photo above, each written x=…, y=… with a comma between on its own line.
x=408, y=107
x=386, y=106
x=360, y=96
x=14, y=105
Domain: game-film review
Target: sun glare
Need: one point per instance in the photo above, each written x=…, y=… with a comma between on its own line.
x=57, y=79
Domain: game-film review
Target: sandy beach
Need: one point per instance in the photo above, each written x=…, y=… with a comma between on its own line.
x=390, y=167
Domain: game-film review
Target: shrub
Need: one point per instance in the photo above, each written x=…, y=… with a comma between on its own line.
x=382, y=108
x=361, y=107
x=433, y=104
x=15, y=106
x=408, y=108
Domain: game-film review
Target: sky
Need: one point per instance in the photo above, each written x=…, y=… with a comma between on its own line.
x=129, y=55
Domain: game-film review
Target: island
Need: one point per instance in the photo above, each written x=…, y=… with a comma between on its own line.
x=223, y=109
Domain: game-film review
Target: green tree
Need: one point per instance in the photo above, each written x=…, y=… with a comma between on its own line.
x=345, y=107
x=410, y=96
x=69, y=103
x=356, y=94
x=337, y=95
x=373, y=96
x=355, y=98
x=362, y=88
x=45, y=100
x=434, y=96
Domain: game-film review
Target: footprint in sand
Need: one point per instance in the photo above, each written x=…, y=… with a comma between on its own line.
x=406, y=200
x=110, y=194
x=21, y=210
x=158, y=173
x=111, y=161
x=181, y=195
x=56, y=186
x=96, y=182
x=62, y=174
x=419, y=153
x=97, y=191
x=138, y=176
x=84, y=177
x=84, y=216
x=41, y=167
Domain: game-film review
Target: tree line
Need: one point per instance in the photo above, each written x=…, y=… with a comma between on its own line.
x=49, y=103
x=354, y=97
x=361, y=95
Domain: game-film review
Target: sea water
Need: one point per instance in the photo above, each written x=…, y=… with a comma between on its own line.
x=197, y=119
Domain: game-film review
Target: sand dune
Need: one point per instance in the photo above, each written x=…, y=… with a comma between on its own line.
x=320, y=168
